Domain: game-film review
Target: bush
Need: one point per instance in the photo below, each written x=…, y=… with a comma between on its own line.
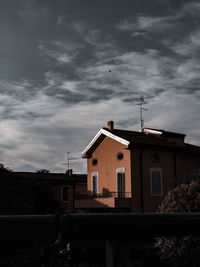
x=180, y=251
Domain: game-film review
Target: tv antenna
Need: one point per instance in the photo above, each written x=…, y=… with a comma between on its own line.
x=68, y=160
x=142, y=102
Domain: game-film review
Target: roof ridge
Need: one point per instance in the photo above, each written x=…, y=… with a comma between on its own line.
x=107, y=129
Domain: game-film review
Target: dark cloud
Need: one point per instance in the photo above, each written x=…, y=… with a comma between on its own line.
x=133, y=100
x=125, y=124
x=65, y=95
x=99, y=95
x=68, y=66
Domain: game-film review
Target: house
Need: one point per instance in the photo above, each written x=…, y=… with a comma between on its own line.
x=131, y=171
x=65, y=186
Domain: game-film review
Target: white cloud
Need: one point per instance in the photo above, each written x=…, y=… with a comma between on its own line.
x=189, y=46
x=178, y=113
x=145, y=23
x=72, y=86
x=60, y=56
x=99, y=39
x=59, y=21
x=32, y=14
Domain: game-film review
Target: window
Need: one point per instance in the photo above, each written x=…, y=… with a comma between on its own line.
x=95, y=184
x=65, y=193
x=121, y=183
x=120, y=156
x=156, y=182
x=155, y=158
x=94, y=162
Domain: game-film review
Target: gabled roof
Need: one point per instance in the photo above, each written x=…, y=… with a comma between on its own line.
x=149, y=136
x=55, y=178
x=106, y=132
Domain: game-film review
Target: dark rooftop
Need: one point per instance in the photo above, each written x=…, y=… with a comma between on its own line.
x=55, y=178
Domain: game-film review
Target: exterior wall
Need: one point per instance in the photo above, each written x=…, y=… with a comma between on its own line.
x=141, y=166
x=187, y=167
x=56, y=192
x=136, y=185
x=80, y=189
x=68, y=206
x=176, y=168
x=167, y=165
x=106, y=154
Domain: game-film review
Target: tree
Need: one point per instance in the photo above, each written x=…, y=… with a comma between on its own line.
x=43, y=171
x=180, y=251
x=15, y=193
x=43, y=198
x=24, y=195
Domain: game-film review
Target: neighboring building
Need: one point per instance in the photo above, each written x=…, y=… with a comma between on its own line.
x=65, y=186
x=132, y=171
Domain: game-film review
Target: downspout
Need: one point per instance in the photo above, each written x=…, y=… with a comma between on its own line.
x=175, y=170
x=141, y=182
x=73, y=202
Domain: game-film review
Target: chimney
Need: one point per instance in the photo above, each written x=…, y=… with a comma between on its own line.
x=69, y=172
x=111, y=125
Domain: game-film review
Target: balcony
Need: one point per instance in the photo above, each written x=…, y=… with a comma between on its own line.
x=105, y=200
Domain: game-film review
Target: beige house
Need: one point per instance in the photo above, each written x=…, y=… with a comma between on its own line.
x=132, y=171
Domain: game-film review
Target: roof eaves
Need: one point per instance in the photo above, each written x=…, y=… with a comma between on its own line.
x=115, y=137
x=106, y=133
x=91, y=143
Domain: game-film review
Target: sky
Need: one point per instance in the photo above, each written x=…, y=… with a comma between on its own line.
x=69, y=66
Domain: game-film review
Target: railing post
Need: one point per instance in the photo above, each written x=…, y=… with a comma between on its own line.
x=109, y=254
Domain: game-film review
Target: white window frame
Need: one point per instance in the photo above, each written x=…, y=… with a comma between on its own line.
x=69, y=188
x=120, y=170
x=97, y=175
x=161, y=181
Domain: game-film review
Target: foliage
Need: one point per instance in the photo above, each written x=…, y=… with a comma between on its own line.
x=38, y=254
x=183, y=198
x=43, y=200
x=180, y=251
x=24, y=195
x=43, y=171
x=15, y=193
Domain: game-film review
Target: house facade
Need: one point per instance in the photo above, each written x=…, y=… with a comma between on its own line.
x=64, y=186
x=130, y=171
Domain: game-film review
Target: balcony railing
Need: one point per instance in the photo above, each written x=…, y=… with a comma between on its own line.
x=104, y=195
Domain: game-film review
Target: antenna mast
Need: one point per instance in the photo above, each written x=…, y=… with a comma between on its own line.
x=142, y=102
x=68, y=160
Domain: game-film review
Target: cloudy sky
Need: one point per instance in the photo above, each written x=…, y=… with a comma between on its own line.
x=56, y=88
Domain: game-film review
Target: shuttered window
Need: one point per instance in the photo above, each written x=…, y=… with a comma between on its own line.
x=95, y=184
x=121, y=183
x=156, y=182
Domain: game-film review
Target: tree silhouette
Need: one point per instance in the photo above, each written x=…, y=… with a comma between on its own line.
x=185, y=250
x=24, y=195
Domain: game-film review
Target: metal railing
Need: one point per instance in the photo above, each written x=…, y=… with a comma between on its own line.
x=29, y=228
x=135, y=226
x=104, y=195
x=111, y=228
x=39, y=228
